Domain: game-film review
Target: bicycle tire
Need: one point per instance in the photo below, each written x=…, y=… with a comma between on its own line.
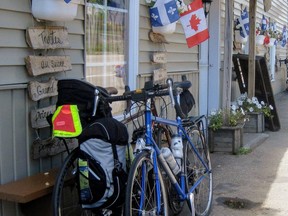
x=65, y=197
x=194, y=170
x=143, y=162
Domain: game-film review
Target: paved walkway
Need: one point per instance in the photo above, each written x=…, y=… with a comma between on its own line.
x=255, y=183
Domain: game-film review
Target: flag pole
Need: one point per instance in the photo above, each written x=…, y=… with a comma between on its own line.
x=252, y=48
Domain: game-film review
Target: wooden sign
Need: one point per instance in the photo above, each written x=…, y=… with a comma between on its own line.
x=159, y=75
x=157, y=38
x=38, y=65
x=38, y=117
x=159, y=57
x=47, y=37
x=39, y=90
x=51, y=147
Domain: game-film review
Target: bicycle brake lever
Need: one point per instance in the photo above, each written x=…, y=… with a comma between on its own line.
x=170, y=89
x=96, y=100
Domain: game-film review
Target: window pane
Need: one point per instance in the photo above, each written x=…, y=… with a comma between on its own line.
x=106, y=46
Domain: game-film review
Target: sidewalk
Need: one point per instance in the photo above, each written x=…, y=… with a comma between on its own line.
x=255, y=183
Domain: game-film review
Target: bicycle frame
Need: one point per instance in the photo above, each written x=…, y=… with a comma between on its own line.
x=156, y=154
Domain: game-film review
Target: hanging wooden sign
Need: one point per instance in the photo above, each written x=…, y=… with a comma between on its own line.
x=37, y=90
x=159, y=75
x=47, y=37
x=159, y=58
x=51, y=147
x=38, y=117
x=38, y=65
x=157, y=38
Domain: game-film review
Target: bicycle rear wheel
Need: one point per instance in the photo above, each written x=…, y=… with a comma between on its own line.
x=65, y=198
x=195, y=170
x=141, y=183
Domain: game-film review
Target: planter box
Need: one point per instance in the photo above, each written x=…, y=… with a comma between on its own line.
x=54, y=10
x=226, y=139
x=255, y=124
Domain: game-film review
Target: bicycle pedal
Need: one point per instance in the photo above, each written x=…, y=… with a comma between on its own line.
x=191, y=201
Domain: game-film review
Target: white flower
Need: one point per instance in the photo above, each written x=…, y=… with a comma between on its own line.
x=233, y=107
x=271, y=107
x=262, y=102
x=254, y=100
x=259, y=106
x=251, y=109
x=249, y=100
x=240, y=103
x=213, y=113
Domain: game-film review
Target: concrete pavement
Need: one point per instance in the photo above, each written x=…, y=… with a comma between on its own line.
x=255, y=183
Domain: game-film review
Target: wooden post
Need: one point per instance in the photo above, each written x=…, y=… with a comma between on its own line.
x=228, y=51
x=252, y=48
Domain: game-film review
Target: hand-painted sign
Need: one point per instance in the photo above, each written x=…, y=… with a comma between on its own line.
x=51, y=147
x=47, y=37
x=38, y=65
x=159, y=75
x=39, y=90
x=38, y=117
x=159, y=57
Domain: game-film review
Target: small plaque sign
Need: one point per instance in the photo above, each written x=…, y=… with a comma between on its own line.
x=159, y=75
x=38, y=65
x=38, y=117
x=47, y=37
x=51, y=147
x=159, y=57
x=39, y=90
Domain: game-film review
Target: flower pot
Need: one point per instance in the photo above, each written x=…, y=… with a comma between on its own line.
x=260, y=39
x=255, y=123
x=239, y=38
x=226, y=139
x=54, y=10
x=167, y=29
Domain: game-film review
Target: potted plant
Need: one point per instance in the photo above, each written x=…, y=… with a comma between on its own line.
x=255, y=111
x=225, y=129
x=55, y=10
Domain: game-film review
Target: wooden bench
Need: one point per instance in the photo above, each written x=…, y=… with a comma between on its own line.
x=30, y=188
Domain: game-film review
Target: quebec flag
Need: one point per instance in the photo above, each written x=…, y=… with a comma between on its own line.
x=243, y=23
x=264, y=23
x=163, y=13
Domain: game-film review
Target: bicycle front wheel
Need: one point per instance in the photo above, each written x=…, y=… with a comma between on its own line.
x=141, y=189
x=195, y=171
x=65, y=198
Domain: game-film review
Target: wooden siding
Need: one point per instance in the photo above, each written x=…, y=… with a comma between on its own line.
x=16, y=133
x=179, y=57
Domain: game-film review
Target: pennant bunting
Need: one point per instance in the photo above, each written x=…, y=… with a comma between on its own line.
x=194, y=24
x=164, y=12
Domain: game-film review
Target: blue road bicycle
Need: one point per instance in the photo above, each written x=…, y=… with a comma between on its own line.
x=152, y=187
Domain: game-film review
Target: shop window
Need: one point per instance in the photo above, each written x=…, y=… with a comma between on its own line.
x=107, y=45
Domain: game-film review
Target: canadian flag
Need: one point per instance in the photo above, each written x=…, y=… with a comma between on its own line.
x=194, y=24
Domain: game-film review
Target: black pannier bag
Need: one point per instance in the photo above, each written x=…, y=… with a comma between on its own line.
x=81, y=93
x=102, y=164
x=187, y=101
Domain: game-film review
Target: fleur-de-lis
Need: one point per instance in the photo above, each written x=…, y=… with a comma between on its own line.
x=154, y=16
x=171, y=10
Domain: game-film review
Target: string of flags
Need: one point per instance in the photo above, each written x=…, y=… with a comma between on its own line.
x=266, y=32
x=192, y=18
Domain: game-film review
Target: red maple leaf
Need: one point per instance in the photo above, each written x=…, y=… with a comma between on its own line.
x=194, y=22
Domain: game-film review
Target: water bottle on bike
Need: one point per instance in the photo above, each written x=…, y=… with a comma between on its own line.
x=168, y=155
x=177, y=148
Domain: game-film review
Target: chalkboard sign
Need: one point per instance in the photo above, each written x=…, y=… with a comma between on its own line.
x=263, y=88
